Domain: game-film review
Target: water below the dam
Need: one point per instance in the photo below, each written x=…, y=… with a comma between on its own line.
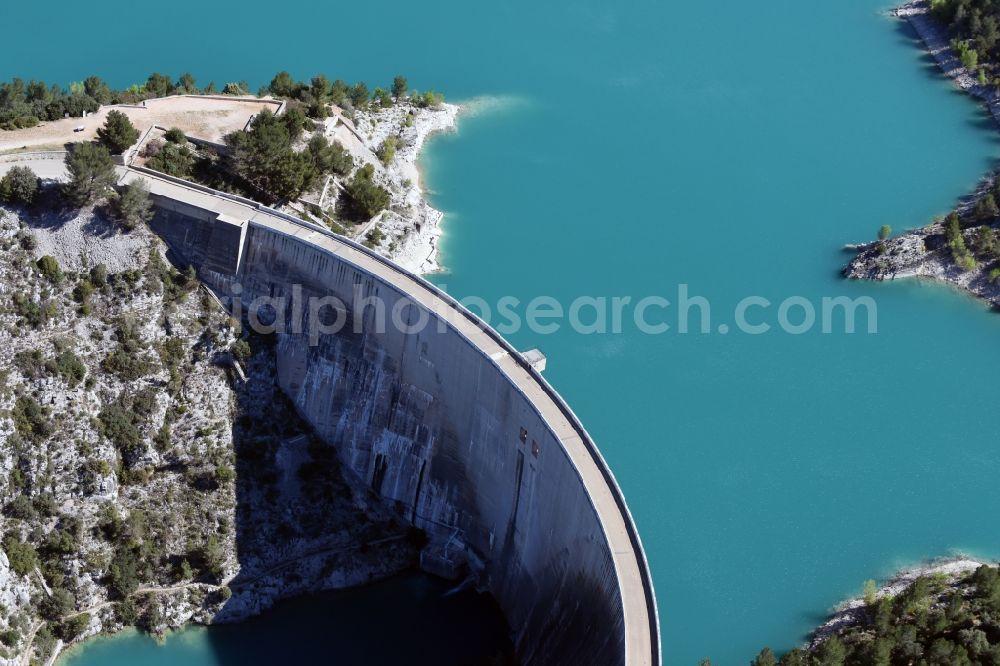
x=628, y=148
x=411, y=619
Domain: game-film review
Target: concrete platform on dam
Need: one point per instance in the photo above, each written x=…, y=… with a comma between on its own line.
x=235, y=215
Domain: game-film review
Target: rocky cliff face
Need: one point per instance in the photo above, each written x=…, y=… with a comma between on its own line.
x=141, y=479
x=116, y=453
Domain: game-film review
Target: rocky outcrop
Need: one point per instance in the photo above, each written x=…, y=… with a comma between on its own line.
x=408, y=231
x=924, y=252
x=124, y=427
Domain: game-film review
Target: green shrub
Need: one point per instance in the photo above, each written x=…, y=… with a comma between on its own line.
x=175, y=135
x=19, y=185
x=49, y=268
x=83, y=291
x=68, y=366
x=92, y=173
x=264, y=157
x=22, y=555
x=31, y=420
x=126, y=612
x=120, y=426
x=428, y=99
x=956, y=242
x=374, y=237
x=60, y=603
x=329, y=157
x=383, y=98
x=134, y=206
x=124, y=572
x=71, y=628
x=387, y=151
x=126, y=365
x=45, y=504
x=986, y=208
x=399, y=87
x=21, y=508
x=34, y=313
x=241, y=350
x=173, y=160
x=365, y=199
x=224, y=474
x=99, y=275
x=241, y=88
x=118, y=133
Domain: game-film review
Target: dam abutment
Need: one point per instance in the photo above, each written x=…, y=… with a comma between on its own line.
x=449, y=423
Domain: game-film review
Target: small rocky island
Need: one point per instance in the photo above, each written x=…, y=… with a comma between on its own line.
x=961, y=248
x=154, y=473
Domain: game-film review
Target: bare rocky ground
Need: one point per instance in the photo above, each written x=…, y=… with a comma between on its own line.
x=142, y=482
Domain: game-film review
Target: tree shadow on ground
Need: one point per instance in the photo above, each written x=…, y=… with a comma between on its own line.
x=50, y=211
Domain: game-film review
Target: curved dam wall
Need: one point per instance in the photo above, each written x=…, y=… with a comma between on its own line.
x=447, y=422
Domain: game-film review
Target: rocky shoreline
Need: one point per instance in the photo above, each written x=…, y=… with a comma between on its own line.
x=924, y=252
x=408, y=232
x=418, y=251
x=853, y=612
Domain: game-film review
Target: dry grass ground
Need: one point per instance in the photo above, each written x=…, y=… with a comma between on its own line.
x=208, y=118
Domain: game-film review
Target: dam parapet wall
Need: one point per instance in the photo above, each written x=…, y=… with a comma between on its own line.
x=448, y=423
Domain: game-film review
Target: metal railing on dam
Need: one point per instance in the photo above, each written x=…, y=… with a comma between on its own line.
x=443, y=424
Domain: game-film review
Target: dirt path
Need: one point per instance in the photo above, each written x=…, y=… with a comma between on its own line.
x=26, y=655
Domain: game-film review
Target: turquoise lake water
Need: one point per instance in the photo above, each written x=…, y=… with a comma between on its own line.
x=634, y=146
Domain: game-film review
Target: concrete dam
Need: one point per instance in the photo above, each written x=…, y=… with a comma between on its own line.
x=449, y=423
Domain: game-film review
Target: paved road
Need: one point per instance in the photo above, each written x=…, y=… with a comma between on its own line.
x=48, y=165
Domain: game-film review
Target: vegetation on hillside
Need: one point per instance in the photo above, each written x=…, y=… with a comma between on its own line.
x=364, y=198
x=265, y=159
x=975, y=28
x=103, y=506
x=316, y=95
x=937, y=620
x=134, y=206
x=26, y=103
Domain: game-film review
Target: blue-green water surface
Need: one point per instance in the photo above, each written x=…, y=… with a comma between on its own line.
x=632, y=146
